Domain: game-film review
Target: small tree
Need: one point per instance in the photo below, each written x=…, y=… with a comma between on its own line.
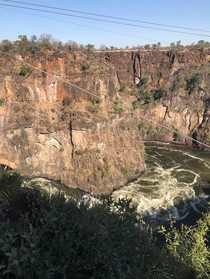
x=147, y=46
x=89, y=47
x=71, y=45
x=6, y=45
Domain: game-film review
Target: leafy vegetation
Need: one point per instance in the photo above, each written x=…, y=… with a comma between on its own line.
x=117, y=105
x=144, y=81
x=51, y=237
x=176, y=135
x=136, y=105
x=189, y=246
x=24, y=70
x=152, y=95
x=66, y=101
x=125, y=172
x=192, y=83
x=2, y=102
x=46, y=42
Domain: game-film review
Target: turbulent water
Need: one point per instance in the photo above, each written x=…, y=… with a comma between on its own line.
x=175, y=184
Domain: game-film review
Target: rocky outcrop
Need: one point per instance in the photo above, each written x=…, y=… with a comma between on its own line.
x=92, y=139
x=172, y=90
x=49, y=128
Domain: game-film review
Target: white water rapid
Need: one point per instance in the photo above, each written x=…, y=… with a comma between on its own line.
x=175, y=182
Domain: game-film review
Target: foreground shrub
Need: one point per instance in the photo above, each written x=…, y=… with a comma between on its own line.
x=189, y=246
x=55, y=238
x=51, y=237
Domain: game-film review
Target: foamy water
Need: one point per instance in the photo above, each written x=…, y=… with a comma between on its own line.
x=171, y=185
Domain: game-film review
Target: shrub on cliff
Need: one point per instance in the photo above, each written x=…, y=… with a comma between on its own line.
x=192, y=82
x=24, y=70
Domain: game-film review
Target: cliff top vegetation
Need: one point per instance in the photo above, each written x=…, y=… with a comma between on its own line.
x=47, y=42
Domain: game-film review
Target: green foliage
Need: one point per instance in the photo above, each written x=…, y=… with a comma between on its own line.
x=6, y=45
x=189, y=246
x=147, y=46
x=136, y=104
x=158, y=94
x=45, y=236
x=24, y=70
x=117, y=105
x=153, y=95
x=2, y=102
x=10, y=180
x=192, y=83
x=66, y=101
x=56, y=238
x=146, y=96
x=125, y=172
x=144, y=81
x=10, y=185
x=176, y=135
x=90, y=47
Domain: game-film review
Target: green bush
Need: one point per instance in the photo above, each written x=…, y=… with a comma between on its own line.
x=117, y=106
x=66, y=101
x=10, y=182
x=144, y=81
x=153, y=95
x=176, y=135
x=51, y=237
x=158, y=94
x=2, y=102
x=136, y=105
x=59, y=239
x=125, y=172
x=192, y=83
x=190, y=246
x=24, y=70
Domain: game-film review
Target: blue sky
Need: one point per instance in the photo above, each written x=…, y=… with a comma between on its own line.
x=184, y=13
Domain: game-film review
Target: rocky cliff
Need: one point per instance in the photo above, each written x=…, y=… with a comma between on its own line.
x=172, y=90
x=49, y=128
x=93, y=139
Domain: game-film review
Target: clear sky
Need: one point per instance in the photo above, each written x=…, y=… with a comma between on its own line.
x=184, y=13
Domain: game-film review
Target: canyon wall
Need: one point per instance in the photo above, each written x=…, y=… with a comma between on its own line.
x=51, y=129
x=172, y=90
x=92, y=139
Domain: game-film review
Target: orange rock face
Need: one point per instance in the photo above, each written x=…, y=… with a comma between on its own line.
x=49, y=128
x=92, y=139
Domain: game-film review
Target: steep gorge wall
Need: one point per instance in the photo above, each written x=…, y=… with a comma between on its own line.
x=172, y=89
x=52, y=129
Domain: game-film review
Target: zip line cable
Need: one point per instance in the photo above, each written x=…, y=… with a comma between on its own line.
x=82, y=25
x=104, y=20
x=107, y=16
x=99, y=98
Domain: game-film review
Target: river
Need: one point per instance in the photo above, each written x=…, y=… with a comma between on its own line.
x=175, y=184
